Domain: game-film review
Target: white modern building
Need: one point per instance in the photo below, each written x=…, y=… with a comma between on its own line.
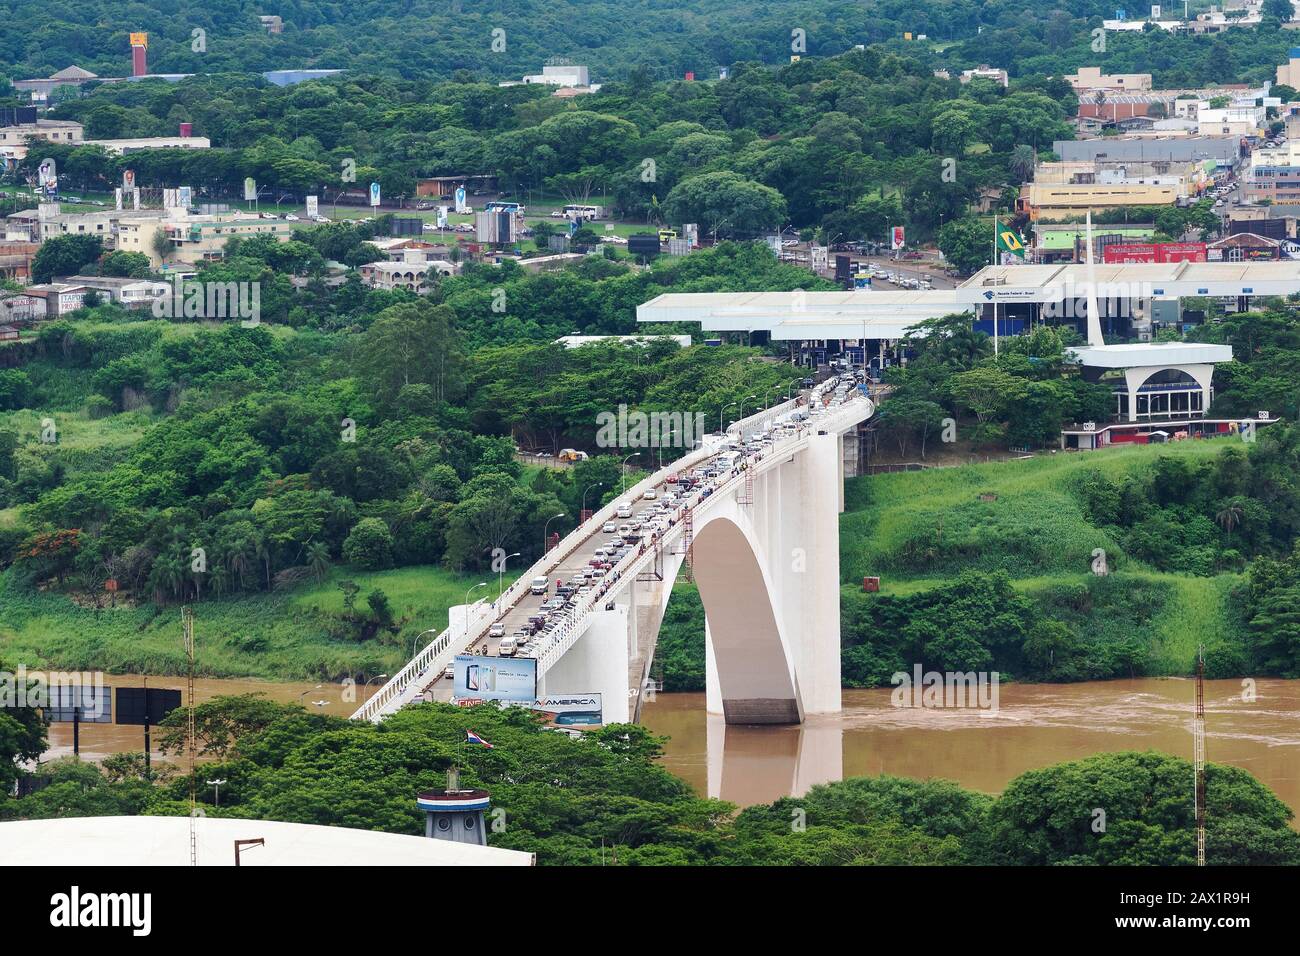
x=165, y=841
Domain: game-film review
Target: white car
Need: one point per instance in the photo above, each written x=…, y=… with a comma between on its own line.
x=319, y=219
x=650, y=494
x=625, y=510
x=497, y=630
x=609, y=527
x=290, y=217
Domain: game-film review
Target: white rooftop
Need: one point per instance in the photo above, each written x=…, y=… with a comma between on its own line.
x=804, y=315
x=165, y=841
x=1145, y=354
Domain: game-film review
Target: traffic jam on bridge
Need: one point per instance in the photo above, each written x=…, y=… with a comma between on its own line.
x=538, y=611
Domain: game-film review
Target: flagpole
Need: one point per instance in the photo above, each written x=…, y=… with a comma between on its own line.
x=995, y=301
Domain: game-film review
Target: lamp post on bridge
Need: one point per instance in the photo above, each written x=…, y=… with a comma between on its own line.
x=583, y=515
x=501, y=572
x=742, y=413
x=546, y=530
x=415, y=643
x=366, y=686
x=623, y=469
x=721, y=412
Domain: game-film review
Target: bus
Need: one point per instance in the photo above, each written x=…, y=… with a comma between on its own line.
x=578, y=211
x=498, y=205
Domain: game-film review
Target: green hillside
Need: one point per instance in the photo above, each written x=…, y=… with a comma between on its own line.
x=991, y=567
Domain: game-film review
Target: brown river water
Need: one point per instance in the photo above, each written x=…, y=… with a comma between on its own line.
x=1035, y=725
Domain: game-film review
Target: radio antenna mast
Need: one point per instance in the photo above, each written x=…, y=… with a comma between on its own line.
x=187, y=627
x=1198, y=749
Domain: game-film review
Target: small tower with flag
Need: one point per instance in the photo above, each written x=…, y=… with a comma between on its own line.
x=455, y=814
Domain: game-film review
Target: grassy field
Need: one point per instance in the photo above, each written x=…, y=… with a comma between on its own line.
x=296, y=634
x=1018, y=516
x=918, y=530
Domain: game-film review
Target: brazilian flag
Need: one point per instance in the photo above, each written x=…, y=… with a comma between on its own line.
x=1009, y=244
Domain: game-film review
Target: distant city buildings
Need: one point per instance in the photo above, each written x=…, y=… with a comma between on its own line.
x=1091, y=78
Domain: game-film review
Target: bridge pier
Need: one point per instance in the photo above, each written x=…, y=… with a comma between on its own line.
x=596, y=664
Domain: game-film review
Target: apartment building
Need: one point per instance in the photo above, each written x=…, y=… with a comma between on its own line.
x=1273, y=175
x=183, y=243
x=14, y=139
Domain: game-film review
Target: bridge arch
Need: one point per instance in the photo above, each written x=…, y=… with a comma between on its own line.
x=755, y=674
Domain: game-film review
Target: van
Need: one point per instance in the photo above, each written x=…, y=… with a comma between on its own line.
x=539, y=585
x=507, y=647
x=625, y=510
x=666, y=234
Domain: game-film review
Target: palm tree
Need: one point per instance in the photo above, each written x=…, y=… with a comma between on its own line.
x=1229, y=517
x=1022, y=162
x=262, y=548
x=318, y=559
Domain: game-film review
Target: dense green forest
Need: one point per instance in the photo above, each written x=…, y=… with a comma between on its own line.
x=605, y=799
x=439, y=38
x=844, y=144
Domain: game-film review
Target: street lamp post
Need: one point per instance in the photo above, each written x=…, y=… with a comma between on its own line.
x=582, y=515
x=546, y=529
x=721, y=412
x=366, y=686
x=742, y=412
x=415, y=643
x=501, y=572
x=623, y=470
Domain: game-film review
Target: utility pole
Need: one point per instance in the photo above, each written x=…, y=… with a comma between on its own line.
x=187, y=627
x=1199, y=755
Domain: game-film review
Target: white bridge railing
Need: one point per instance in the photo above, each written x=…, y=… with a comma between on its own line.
x=428, y=664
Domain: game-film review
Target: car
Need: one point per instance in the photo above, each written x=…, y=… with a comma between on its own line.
x=449, y=671
x=556, y=214
x=625, y=510
x=320, y=219
x=497, y=630
x=608, y=527
x=650, y=494
x=540, y=585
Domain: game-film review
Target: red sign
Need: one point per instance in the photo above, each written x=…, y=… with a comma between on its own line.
x=1153, y=252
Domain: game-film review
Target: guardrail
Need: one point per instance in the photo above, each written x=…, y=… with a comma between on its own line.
x=409, y=682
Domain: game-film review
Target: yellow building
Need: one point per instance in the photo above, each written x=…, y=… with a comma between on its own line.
x=1053, y=200
x=1091, y=78
x=194, y=240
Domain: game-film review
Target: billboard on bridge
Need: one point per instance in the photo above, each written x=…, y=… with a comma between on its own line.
x=571, y=710
x=479, y=679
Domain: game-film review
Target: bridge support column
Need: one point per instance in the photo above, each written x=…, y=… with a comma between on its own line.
x=816, y=632
x=596, y=663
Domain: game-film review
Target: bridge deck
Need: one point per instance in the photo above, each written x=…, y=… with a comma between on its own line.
x=422, y=677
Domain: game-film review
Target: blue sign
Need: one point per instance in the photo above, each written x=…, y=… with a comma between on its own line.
x=1247, y=291
x=374, y=194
